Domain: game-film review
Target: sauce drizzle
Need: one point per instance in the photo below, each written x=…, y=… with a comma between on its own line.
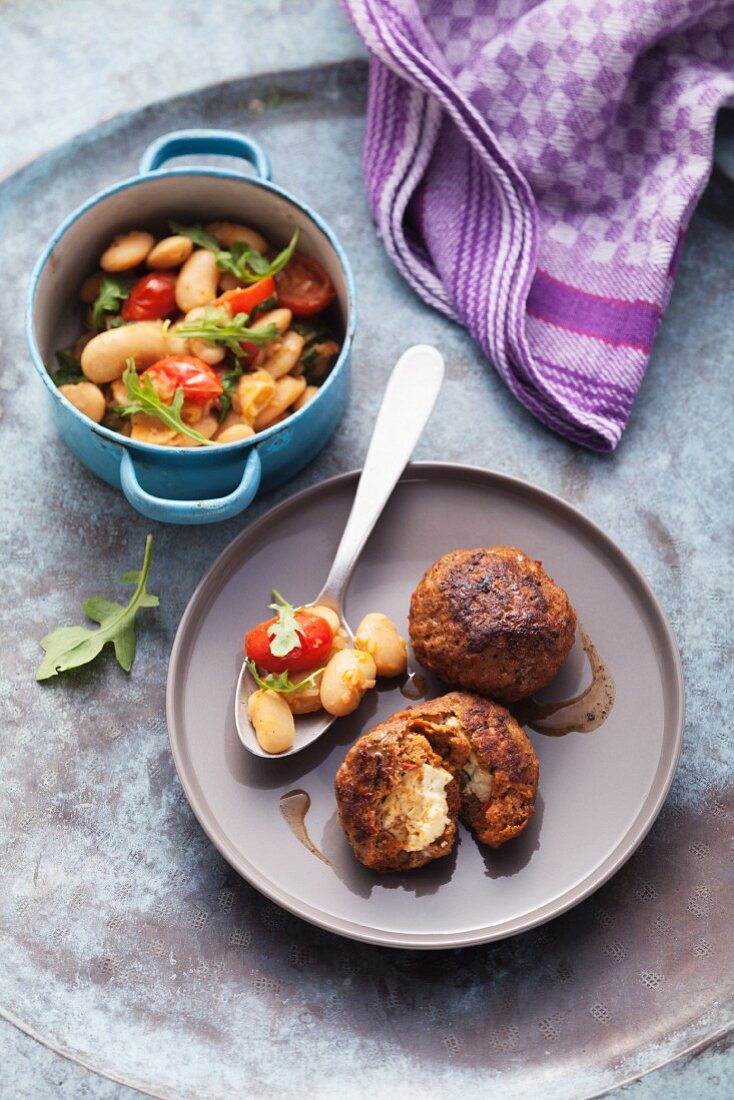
x=581, y=714
x=294, y=805
x=415, y=686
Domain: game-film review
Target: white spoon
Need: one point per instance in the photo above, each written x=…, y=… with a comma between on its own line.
x=409, y=398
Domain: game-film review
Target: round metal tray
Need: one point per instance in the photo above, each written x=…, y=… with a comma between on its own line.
x=128, y=944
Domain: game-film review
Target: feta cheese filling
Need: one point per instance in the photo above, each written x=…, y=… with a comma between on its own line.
x=416, y=812
x=477, y=781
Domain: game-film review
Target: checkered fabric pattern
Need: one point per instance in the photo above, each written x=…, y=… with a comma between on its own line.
x=560, y=145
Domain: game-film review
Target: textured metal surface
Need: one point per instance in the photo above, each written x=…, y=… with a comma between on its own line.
x=126, y=941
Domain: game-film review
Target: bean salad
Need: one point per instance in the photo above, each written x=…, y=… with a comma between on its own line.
x=201, y=337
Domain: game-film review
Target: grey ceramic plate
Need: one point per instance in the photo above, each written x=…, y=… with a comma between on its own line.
x=599, y=792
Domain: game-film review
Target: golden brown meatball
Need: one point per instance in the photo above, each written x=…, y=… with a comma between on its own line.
x=402, y=785
x=491, y=620
x=396, y=790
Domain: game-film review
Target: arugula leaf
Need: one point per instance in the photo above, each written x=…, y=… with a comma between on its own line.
x=197, y=234
x=72, y=646
x=216, y=328
x=145, y=399
x=69, y=370
x=310, y=362
x=263, y=307
x=312, y=332
x=280, y=681
x=113, y=291
x=246, y=263
x=229, y=383
x=283, y=633
x=251, y=266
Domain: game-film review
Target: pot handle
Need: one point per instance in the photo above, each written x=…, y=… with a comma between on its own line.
x=191, y=511
x=228, y=143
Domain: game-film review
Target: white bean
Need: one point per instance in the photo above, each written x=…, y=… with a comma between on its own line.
x=235, y=433
x=210, y=353
x=378, y=636
x=170, y=252
x=348, y=675
x=229, y=282
x=308, y=395
x=254, y=393
x=322, y=355
x=326, y=613
x=280, y=317
x=206, y=426
x=127, y=251
x=287, y=390
x=228, y=233
x=87, y=398
x=340, y=641
x=149, y=429
x=280, y=356
x=272, y=720
x=119, y=392
x=197, y=280
x=105, y=356
x=90, y=287
x=308, y=699
x=230, y=420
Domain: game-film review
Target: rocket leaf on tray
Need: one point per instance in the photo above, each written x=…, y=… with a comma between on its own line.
x=72, y=646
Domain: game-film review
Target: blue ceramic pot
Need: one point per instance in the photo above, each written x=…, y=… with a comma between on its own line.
x=185, y=484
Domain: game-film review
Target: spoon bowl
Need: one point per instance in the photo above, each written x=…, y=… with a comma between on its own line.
x=410, y=396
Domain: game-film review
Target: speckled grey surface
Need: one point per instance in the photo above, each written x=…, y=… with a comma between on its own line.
x=124, y=935
x=95, y=62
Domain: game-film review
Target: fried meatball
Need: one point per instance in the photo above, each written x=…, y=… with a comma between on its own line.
x=491, y=621
x=499, y=780
x=403, y=784
x=397, y=792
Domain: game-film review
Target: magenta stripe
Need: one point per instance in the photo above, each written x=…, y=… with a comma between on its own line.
x=623, y=324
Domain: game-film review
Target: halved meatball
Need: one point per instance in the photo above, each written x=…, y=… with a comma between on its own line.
x=397, y=793
x=491, y=620
x=403, y=784
x=499, y=780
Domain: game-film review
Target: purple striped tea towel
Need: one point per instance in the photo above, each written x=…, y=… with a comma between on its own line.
x=532, y=165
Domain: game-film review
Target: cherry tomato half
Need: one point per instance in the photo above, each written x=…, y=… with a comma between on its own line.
x=152, y=298
x=250, y=351
x=200, y=383
x=316, y=637
x=303, y=286
x=244, y=298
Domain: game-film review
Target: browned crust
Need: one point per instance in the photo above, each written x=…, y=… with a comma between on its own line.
x=441, y=732
x=501, y=747
x=491, y=620
x=374, y=765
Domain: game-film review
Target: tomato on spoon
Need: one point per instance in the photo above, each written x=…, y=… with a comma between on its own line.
x=313, y=644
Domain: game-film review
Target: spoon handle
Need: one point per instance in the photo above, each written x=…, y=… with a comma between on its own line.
x=409, y=398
